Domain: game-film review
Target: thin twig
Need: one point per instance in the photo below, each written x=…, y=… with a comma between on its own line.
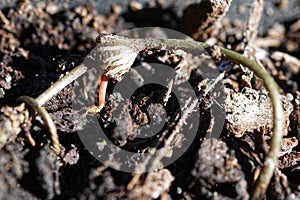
x=250, y=34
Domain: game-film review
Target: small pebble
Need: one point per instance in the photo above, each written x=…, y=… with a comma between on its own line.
x=135, y=6
x=52, y=9
x=2, y=93
x=116, y=9
x=82, y=11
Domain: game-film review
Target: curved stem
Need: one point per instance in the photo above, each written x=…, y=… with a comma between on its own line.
x=270, y=163
x=46, y=118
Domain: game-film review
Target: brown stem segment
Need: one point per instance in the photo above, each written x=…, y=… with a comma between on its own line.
x=41, y=111
x=36, y=104
x=62, y=83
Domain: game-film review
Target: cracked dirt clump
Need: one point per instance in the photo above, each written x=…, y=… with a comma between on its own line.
x=251, y=111
x=12, y=122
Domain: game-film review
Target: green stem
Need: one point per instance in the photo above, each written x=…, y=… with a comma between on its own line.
x=270, y=163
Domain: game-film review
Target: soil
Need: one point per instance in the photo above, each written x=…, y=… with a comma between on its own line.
x=41, y=42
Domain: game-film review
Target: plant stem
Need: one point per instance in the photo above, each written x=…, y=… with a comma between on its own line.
x=60, y=84
x=37, y=104
x=270, y=163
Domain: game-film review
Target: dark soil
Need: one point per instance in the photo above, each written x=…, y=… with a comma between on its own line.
x=41, y=42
